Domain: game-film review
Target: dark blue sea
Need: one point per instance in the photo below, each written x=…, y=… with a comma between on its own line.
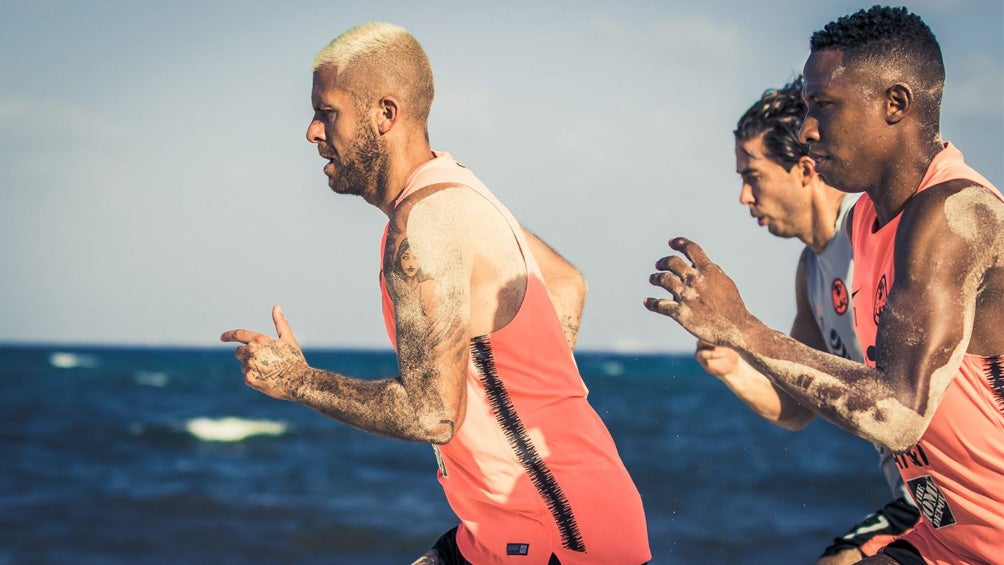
x=130, y=455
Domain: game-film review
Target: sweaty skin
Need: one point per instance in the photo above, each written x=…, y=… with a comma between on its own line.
x=927, y=327
x=868, y=132
x=759, y=393
x=455, y=271
x=425, y=402
x=566, y=287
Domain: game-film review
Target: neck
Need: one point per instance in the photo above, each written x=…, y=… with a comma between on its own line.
x=901, y=178
x=824, y=209
x=404, y=156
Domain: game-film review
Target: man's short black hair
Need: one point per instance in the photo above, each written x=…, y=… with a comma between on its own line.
x=877, y=30
x=890, y=38
x=778, y=115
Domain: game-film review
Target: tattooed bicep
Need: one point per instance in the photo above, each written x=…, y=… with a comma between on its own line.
x=424, y=262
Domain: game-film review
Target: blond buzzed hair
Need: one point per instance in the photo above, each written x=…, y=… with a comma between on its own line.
x=382, y=59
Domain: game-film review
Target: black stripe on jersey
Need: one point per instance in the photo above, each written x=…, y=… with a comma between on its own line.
x=519, y=441
x=995, y=376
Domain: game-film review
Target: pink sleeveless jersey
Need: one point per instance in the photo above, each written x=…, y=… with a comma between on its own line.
x=956, y=471
x=532, y=471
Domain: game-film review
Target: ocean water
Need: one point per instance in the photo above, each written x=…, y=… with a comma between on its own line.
x=130, y=455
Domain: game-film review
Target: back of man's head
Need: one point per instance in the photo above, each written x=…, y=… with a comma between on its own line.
x=381, y=59
x=778, y=116
x=894, y=42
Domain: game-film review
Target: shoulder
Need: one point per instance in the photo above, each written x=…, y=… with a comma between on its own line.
x=805, y=259
x=441, y=201
x=848, y=228
x=435, y=202
x=440, y=221
x=955, y=209
x=806, y=262
x=845, y=213
x=957, y=218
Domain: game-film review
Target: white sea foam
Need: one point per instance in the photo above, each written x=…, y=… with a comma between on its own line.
x=613, y=368
x=151, y=378
x=233, y=429
x=65, y=360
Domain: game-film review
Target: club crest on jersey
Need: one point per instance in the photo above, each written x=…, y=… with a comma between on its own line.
x=881, y=296
x=841, y=300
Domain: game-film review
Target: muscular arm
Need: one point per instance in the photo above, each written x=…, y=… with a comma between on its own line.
x=925, y=329
x=759, y=393
x=426, y=401
x=566, y=287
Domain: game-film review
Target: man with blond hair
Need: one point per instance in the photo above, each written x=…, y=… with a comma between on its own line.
x=486, y=369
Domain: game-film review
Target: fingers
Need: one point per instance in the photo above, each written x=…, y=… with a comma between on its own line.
x=663, y=306
x=245, y=352
x=668, y=281
x=691, y=250
x=706, y=351
x=244, y=336
x=282, y=326
x=676, y=272
x=674, y=264
x=247, y=336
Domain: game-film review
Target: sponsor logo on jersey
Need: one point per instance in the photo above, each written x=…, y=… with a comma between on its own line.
x=517, y=549
x=912, y=458
x=881, y=296
x=836, y=345
x=841, y=300
x=931, y=501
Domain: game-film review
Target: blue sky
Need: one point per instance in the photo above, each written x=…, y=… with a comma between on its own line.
x=157, y=187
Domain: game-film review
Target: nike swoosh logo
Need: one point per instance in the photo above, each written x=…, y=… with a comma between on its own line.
x=855, y=292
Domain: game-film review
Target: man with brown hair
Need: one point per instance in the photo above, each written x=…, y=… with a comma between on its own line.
x=783, y=191
x=928, y=237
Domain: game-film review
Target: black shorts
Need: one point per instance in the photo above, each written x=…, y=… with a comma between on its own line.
x=888, y=523
x=903, y=553
x=448, y=551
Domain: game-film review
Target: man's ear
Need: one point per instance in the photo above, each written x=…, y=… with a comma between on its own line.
x=389, y=113
x=806, y=169
x=898, y=102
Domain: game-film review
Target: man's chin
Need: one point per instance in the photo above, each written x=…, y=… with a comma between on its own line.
x=778, y=231
x=342, y=188
x=829, y=174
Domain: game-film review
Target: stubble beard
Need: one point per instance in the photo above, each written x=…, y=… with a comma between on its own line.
x=363, y=171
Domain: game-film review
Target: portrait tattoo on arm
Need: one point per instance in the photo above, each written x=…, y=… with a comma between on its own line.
x=409, y=281
x=428, y=282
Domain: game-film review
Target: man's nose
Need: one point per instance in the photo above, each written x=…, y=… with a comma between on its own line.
x=746, y=195
x=315, y=132
x=809, y=132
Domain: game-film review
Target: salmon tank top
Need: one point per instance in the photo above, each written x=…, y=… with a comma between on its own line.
x=532, y=470
x=955, y=473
